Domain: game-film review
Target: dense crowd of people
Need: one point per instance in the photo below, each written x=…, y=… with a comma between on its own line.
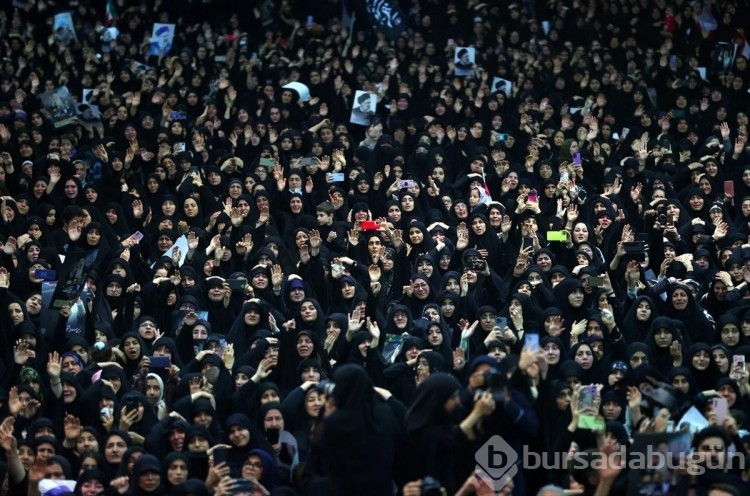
x=214, y=282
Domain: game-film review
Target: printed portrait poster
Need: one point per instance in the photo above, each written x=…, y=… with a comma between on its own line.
x=658, y=455
x=386, y=16
x=499, y=84
x=464, y=58
x=162, y=36
x=88, y=114
x=60, y=105
x=49, y=319
x=363, y=108
x=64, y=29
x=71, y=278
x=723, y=57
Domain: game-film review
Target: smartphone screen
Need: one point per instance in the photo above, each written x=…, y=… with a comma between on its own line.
x=531, y=341
x=729, y=189
x=272, y=434
x=720, y=408
x=501, y=322
x=586, y=397
x=532, y=196
x=221, y=455
x=738, y=361
x=160, y=362
x=45, y=274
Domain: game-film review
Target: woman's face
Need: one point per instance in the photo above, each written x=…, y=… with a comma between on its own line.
x=295, y=205
x=114, y=449
x=300, y=239
x=149, y=481
x=51, y=217
x=190, y=207
x=34, y=304
x=580, y=232
x=495, y=216
x=461, y=210
x=253, y=468
x=304, y=346
x=415, y=235
x=474, y=197
x=177, y=472
x=308, y=312
x=407, y=203
x=478, y=226
x=273, y=420
x=730, y=334
x=313, y=403
x=721, y=360
x=563, y=400
x=552, y=352
x=701, y=360
x=400, y=319
x=584, y=357
x=71, y=189
x=679, y=299
x=39, y=188
x=168, y=207
x=394, y=212
x=434, y=336
x=663, y=338
x=438, y=173
x=27, y=456
x=364, y=347
x=643, y=311
x=681, y=383
x=575, y=298
x=93, y=237
x=92, y=488
x=252, y=317
x=132, y=348
x=16, y=313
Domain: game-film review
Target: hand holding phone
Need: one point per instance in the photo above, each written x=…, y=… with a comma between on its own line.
x=738, y=361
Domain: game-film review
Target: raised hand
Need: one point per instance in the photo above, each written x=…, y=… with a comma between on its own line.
x=72, y=427
x=236, y=216
x=54, y=365
x=74, y=231
x=375, y=273
x=23, y=352
x=463, y=236
x=4, y=278
x=277, y=276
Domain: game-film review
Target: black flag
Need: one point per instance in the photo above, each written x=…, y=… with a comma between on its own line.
x=387, y=16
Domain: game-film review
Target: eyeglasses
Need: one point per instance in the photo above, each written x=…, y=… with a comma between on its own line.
x=254, y=464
